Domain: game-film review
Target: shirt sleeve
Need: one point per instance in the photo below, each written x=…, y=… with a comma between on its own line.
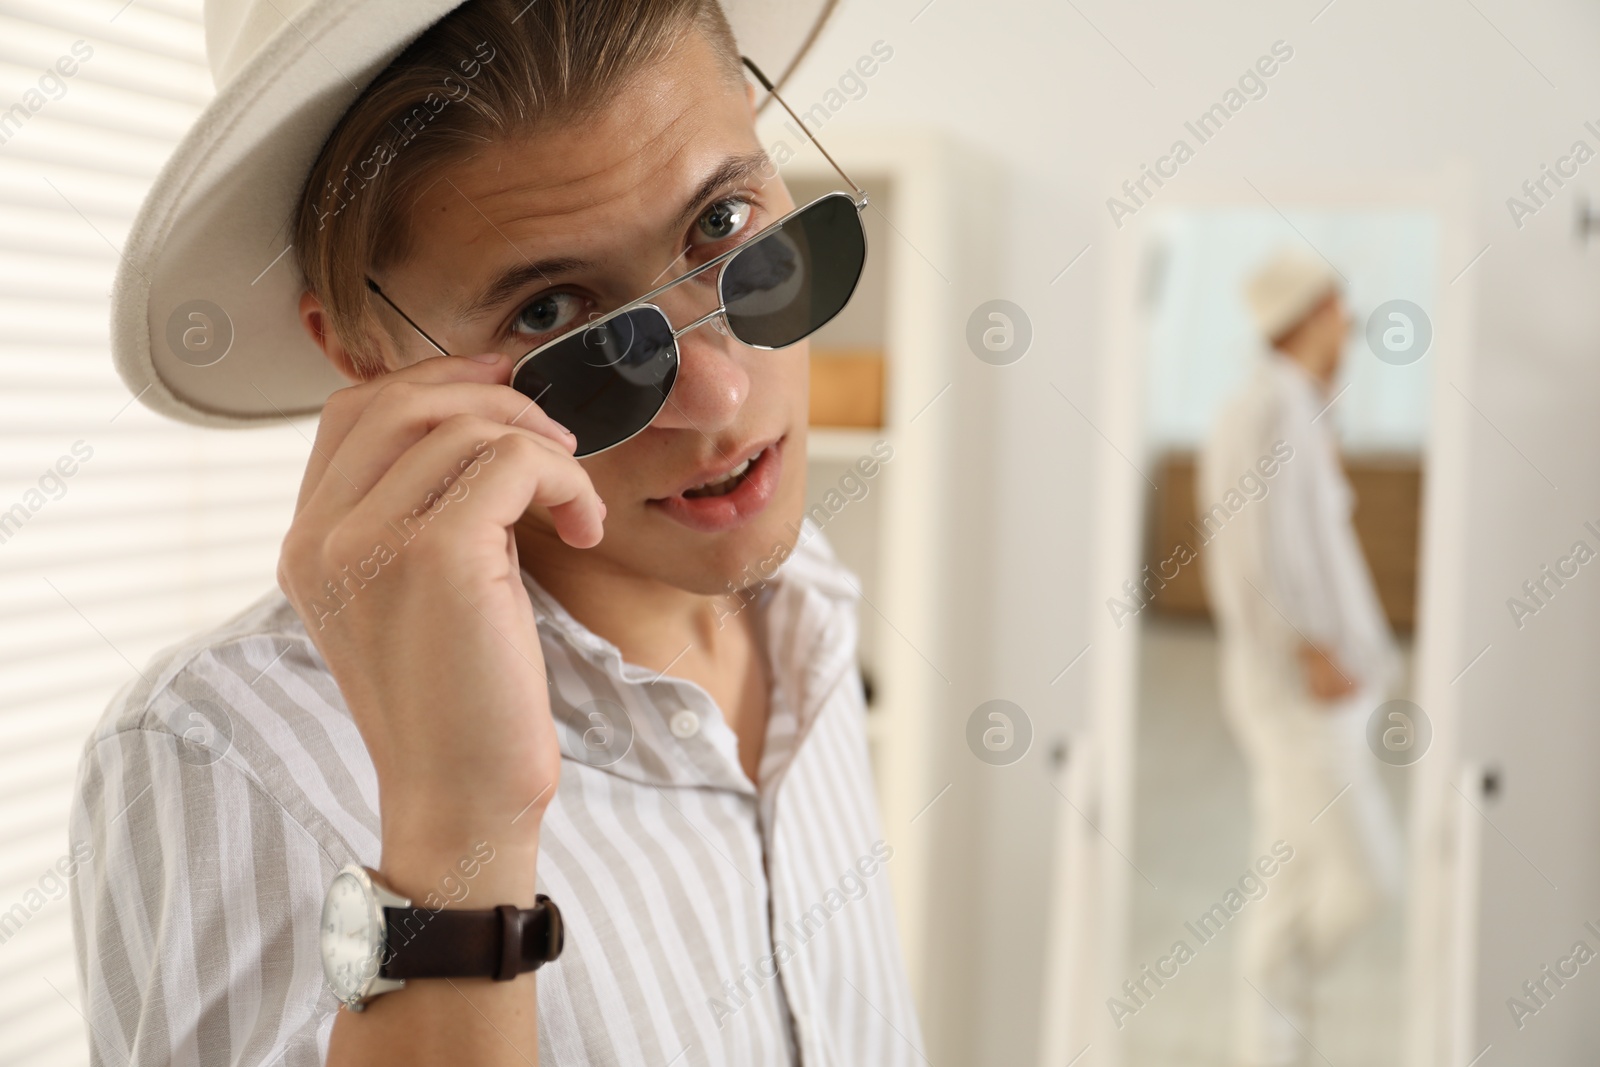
x=196, y=911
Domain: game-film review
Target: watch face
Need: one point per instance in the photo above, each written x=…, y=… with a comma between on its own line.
x=350, y=937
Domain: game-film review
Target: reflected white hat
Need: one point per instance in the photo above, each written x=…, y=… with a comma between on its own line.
x=205, y=324
x=1285, y=288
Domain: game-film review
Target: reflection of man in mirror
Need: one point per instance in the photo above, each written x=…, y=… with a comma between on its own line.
x=1306, y=656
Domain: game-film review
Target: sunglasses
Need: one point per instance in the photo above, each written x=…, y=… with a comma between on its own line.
x=608, y=380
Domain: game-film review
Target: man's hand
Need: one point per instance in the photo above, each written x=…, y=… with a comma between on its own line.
x=402, y=564
x=1324, y=678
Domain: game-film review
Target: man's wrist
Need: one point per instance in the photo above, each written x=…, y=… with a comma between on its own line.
x=460, y=872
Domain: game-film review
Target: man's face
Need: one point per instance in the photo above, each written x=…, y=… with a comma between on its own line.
x=1333, y=326
x=609, y=207
x=1318, y=342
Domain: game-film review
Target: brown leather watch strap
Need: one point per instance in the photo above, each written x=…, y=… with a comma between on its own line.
x=498, y=943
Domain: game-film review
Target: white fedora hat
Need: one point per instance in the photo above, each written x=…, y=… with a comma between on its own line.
x=1286, y=288
x=204, y=313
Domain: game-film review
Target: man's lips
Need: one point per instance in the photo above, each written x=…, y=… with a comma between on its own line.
x=720, y=466
x=747, y=497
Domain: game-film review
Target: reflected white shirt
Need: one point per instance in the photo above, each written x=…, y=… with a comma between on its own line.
x=1287, y=567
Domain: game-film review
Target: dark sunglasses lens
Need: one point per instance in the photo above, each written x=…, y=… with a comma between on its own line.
x=604, y=382
x=784, y=285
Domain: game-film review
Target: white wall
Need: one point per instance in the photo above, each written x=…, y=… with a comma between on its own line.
x=1060, y=97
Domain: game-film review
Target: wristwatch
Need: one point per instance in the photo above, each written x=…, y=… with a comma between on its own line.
x=373, y=939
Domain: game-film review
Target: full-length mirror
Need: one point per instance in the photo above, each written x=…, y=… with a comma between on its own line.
x=1285, y=414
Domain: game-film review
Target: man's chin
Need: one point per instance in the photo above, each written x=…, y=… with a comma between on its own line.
x=735, y=564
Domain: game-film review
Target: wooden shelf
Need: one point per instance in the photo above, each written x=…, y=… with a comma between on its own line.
x=847, y=386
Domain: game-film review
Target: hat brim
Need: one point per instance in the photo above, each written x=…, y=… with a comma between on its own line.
x=205, y=323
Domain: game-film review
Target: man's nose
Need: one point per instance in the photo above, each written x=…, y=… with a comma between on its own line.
x=713, y=382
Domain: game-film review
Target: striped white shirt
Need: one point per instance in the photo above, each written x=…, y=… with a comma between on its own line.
x=709, y=920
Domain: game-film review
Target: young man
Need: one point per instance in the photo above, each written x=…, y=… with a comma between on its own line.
x=542, y=698
x=1306, y=658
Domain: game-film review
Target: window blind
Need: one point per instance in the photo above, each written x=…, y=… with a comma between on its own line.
x=120, y=532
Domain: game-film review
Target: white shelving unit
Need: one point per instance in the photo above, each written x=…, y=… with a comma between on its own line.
x=841, y=444
x=893, y=537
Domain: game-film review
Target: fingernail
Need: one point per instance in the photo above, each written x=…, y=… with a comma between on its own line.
x=486, y=357
x=602, y=509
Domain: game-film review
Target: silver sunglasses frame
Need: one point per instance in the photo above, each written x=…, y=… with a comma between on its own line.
x=720, y=310
x=858, y=199
x=722, y=300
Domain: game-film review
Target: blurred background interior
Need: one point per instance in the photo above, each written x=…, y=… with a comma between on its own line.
x=1043, y=451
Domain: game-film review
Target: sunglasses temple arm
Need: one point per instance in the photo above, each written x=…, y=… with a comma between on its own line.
x=767, y=84
x=420, y=331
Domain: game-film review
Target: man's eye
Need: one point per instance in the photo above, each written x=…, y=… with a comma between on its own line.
x=723, y=219
x=547, y=313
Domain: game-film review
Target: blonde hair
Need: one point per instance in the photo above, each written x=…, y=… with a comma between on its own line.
x=490, y=69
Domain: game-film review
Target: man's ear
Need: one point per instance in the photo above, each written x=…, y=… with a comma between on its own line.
x=314, y=317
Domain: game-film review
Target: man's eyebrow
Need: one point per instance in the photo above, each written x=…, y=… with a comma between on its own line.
x=511, y=280
x=732, y=169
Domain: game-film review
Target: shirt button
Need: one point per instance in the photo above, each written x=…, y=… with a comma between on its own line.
x=684, y=724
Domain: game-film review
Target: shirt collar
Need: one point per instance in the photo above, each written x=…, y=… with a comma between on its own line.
x=807, y=609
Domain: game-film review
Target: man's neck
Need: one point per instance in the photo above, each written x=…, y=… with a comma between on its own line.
x=664, y=628
x=1304, y=364
x=650, y=621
